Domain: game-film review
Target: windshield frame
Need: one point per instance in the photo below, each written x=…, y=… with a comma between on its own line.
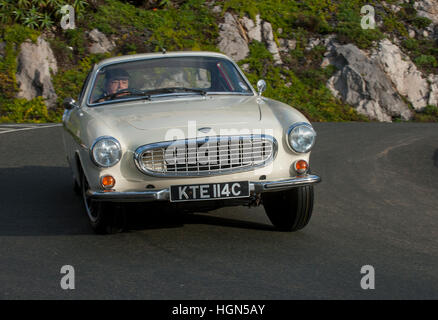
x=136, y=98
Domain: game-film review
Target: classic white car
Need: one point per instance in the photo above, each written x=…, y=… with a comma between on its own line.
x=188, y=130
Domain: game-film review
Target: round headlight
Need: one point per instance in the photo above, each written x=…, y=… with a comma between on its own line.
x=106, y=152
x=301, y=137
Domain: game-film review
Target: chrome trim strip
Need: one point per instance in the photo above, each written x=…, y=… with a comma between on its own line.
x=140, y=150
x=164, y=194
x=302, y=180
x=130, y=196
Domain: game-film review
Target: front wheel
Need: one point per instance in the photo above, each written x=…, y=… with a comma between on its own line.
x=289, y=210
x=105, y=218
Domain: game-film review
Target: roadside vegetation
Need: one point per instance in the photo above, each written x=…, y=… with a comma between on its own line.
x=149, y=26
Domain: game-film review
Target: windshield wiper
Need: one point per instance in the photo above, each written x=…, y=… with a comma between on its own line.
x=175, y=90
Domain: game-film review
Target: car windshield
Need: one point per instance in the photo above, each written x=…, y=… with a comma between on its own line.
x=153, y=77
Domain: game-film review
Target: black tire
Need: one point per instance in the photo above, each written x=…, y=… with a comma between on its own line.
x=289, y=210
x=104, y=217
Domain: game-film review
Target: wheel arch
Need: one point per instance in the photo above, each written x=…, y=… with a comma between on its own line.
x=79, y=168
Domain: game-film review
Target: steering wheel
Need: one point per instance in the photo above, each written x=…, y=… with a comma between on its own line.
x=132, y=91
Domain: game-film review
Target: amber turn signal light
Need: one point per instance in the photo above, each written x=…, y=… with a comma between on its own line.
x=108, y=182
x=301, y=166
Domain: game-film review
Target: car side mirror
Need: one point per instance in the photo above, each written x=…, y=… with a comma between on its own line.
x=69, y=103
x=261, y=86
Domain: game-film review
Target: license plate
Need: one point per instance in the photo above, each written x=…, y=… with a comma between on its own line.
x=209, y=191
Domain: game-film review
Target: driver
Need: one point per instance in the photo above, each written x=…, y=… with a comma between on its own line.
x=116, y=80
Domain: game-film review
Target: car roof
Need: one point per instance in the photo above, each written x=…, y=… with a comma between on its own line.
x=161, y=55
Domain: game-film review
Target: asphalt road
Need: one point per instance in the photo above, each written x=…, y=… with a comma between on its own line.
x=377, y=205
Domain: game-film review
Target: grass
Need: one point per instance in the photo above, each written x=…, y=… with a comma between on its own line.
x=429, y=114
x=424, y=53
x=188, y=27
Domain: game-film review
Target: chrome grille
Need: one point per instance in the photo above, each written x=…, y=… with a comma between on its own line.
x=206, y=156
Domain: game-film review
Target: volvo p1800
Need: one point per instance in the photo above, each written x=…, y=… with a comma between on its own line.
x=186, y=130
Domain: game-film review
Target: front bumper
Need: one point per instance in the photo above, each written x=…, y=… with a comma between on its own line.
x=164, y=194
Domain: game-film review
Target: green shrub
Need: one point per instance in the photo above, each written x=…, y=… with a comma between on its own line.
x=349, y=26
x=429, y=114
x=424, y=53
x=22, y=110
x=76, y=38
x=426, y=61
x=8, y=87
x=431, y=110
x=410, y=44
x=393, y=24
x=421, y=22
x=310, y=15
x=41, y=14
x=188, y=27
x=259, y=59
x=407, y=11
x=248, y=7
x=311, y=22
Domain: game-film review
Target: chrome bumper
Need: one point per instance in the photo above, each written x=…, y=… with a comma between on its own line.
x=164, y=194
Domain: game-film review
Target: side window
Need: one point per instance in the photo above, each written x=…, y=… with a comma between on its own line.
x=84, y=86
x=98, y=88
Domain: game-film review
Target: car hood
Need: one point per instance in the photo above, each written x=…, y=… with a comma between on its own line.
x=216, y=112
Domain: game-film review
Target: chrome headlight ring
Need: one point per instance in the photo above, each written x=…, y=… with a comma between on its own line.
x=106, y=152
x=301, y=137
